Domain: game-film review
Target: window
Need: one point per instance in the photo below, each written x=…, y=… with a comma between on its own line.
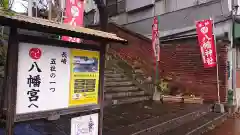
x=238, y=57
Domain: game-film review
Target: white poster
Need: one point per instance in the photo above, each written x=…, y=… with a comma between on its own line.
x=85, y=125
x=43, y=78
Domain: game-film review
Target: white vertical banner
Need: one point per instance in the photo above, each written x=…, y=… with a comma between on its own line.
x=85, y=125
x=43, y=78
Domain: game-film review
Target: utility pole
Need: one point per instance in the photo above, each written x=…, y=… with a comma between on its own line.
x=234, y=50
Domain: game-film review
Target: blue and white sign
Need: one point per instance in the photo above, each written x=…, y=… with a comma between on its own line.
x=85, y=125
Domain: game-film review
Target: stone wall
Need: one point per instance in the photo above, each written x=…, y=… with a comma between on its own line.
x=184, y=63
x=180, y=60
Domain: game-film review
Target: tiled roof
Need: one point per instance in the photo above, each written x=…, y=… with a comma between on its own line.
x=43, y=25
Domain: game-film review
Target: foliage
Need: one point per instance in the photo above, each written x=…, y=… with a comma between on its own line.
x=162, y=86
x=188, y=92
x=4, y=4
x=3, y=52
x=3, y=55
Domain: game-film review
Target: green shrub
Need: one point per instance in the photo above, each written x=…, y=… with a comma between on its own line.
x=162, y=86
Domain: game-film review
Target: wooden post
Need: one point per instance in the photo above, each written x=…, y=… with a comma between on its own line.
x=30, y=5
x=11, y=80
x=101, y=86
x=50, y=10
x=101, y=4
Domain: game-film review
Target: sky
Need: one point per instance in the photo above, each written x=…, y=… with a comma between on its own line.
x=18, y=6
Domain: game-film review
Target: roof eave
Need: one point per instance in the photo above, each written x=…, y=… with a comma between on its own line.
x=42, y=25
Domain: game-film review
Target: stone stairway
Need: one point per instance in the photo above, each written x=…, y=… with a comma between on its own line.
x=120, y=89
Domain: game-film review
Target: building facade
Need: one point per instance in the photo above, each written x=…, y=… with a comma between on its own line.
x=176, y=16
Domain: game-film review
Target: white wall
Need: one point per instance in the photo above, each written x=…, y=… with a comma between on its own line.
x=230, y=5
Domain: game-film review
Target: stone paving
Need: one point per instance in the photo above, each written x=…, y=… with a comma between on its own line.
x=229, y=127
x=127, y=119
x=118, y=120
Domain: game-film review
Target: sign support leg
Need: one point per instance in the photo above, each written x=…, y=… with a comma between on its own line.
x=101, y=86
x=11, y=82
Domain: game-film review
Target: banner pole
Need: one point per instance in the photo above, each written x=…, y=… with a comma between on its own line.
x=157, y=58
x=156, y=74
x=156, y=48
x=217, y=66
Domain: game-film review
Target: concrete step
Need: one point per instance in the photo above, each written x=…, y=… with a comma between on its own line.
x=113, y=95
x=110, y=71
x=121, y=89
x=118, y=79
x=139, y=71
x=117, y=84
x=115, y=75
x=127, y=100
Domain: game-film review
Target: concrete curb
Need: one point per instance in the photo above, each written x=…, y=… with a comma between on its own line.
x=209, y=125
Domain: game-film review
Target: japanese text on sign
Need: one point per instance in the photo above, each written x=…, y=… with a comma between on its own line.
x=55, y=78
x=64, y=57
x=206, y=42
x=52, y=74
x=34, y=81
x=85, y=125
x=43, y=78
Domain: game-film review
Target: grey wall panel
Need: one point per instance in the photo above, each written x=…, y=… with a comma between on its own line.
x=140, y=15
x=181, y=18
x=184, y=4
x=120, y=19
x=160, y=7
x=135, y=4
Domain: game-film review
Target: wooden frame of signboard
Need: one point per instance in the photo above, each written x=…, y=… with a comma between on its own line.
x=11, y=70
x=57, y=43
x=11, y=84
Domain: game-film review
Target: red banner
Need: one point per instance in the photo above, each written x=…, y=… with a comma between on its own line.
x=155, y=39
x=74, y=16
x=206, y=42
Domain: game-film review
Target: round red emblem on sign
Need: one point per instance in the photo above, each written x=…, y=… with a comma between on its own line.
x=35, y=53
